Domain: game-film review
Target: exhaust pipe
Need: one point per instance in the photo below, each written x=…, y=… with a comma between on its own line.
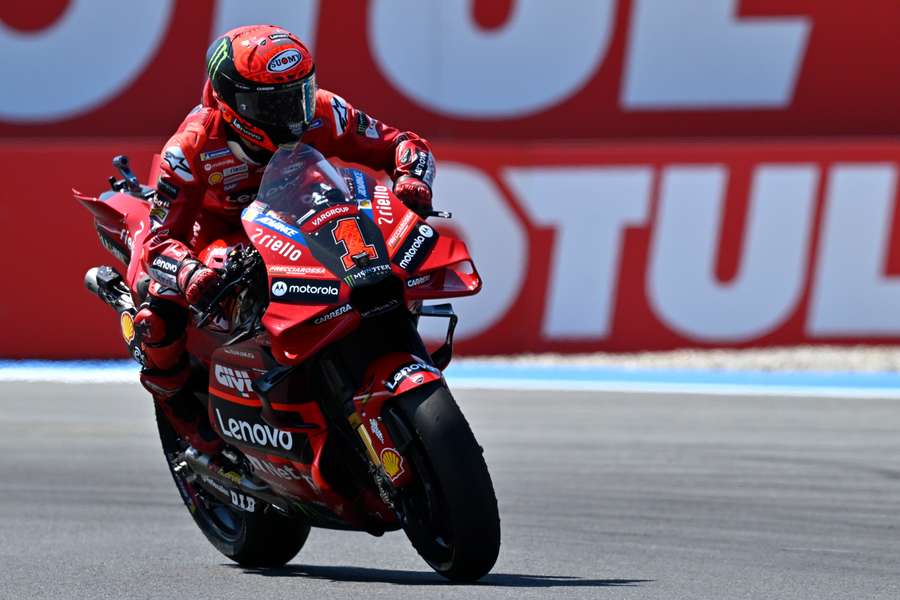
x=90, y=280
x=106, y=283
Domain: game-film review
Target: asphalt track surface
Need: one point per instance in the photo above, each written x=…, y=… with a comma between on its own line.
x=601, y=496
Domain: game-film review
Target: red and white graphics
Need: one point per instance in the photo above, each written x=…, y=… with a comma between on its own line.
x=599, y=68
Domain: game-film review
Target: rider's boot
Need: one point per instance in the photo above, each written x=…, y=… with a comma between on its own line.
x=165, y=375
x=183, y=411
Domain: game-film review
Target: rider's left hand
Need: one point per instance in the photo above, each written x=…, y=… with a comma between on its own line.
x=414, y=193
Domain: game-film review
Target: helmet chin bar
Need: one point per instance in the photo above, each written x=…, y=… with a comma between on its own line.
x=248, y=133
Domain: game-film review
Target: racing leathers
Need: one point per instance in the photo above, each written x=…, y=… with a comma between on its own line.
x=207, y=177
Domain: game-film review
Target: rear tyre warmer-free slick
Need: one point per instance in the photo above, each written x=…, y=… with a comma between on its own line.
x=261, y=539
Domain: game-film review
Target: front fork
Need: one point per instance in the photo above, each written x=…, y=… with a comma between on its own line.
x=388, y=378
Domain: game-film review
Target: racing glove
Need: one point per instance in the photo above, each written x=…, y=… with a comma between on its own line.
x=413, y=177
x=415, y=194
x=197, y=282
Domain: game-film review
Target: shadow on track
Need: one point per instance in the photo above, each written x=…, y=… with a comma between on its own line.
x=367, y=575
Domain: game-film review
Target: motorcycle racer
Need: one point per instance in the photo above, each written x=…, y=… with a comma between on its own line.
x=260, y=93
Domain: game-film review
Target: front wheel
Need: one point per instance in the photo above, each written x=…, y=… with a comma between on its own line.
x=265, y=538
x=450, y=512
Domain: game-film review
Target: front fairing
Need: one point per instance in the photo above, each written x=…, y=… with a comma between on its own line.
x=325, y=236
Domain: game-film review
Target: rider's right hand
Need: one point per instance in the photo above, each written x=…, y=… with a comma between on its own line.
x=198, y=283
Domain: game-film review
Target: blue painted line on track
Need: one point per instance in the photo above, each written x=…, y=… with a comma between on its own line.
x=490, y=374
x=477, y=370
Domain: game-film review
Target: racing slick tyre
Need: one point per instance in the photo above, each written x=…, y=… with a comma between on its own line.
x=265, y=538
x=450, y=512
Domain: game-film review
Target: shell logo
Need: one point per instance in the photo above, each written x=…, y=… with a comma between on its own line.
x=215, y=178
x=392, y=463
x=127, y=324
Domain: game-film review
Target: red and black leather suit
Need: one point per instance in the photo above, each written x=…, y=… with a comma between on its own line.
x=208, y=177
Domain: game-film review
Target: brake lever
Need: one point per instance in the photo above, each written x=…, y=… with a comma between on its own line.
x=247, y=265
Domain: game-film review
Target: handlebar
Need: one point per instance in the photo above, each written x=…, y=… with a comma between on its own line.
x=239, y=269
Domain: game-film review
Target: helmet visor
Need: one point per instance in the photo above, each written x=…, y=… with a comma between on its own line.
x=292, y=106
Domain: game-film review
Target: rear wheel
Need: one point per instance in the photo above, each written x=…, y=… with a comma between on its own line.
x=450, y=512
x=265, y=538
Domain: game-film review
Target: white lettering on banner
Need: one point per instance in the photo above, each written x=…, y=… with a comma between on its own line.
x=589, y=208
x=446, y=72
x=495, y=238
x=91, y=74
x=300, y=17
x=694, y=54
x=682, y=286
x=852, y=296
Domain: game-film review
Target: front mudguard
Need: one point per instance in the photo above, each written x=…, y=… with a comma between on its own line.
x=387, y=378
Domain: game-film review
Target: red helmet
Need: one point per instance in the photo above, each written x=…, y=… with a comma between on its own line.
x=264, y=80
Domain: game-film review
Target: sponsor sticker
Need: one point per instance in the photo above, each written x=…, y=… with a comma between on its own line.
x=410, y=370
x=252, y=430
x=213, y=154
x=163, y=270
x=341, y=310
x=219, y=163
x=235, y=178
x=305, y=291
x=415, y=248
x=366, y=273
x=392, y=463
x=401, y=230
x=240, y=198
x=234, y=379
x=174, y=157
x=245, y=129
x=381, y=308
x=239, y=353
x=286, y=472
x=277, y=225
x=284, y=61
x=417, y=281
x=127, y=324
x=384, y=208
x=215, y=178
x=366, y=125
x=245, y=503
x=297, y=270
x=376, y=430
x=329, y=214
x=242, y=168
x=360, y=189
x=158, y=214
x=339, y=112
x=285, y=248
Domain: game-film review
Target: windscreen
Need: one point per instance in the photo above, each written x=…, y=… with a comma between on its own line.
x=298, y=182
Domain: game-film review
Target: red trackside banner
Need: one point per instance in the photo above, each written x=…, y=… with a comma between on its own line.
x=476, y=69
x=582, y=248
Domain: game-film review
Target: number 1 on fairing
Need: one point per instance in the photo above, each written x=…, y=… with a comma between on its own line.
x=347, y=233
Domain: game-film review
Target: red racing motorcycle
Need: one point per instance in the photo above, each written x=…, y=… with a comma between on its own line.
x=312, y=371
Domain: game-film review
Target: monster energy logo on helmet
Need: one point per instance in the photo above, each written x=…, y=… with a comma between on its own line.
x=217, y=57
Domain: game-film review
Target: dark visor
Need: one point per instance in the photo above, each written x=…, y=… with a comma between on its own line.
x=281, y=107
